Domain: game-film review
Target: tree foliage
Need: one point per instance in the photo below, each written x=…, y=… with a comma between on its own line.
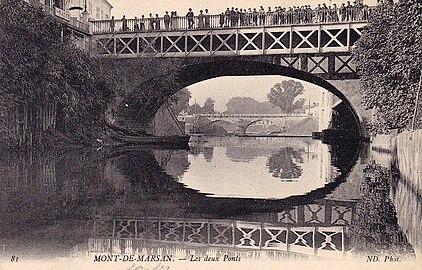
x=284, y=164
x=40, y=65
x=180, y=101
x=194, y=109
x=208, y=106
x=283, y=96
x=248, y=105
x=389, y=60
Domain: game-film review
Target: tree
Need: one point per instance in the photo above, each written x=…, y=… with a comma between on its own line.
x=208, y=106
x=299, y=105
x=283, y=95
x=388, y=58
x=180, y=101
x=282, y=164
x=194, y=109
x=39, y=69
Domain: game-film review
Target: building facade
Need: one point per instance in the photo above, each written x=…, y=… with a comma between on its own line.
x=97, y=9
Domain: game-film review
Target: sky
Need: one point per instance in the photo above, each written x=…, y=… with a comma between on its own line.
x=132, y=8
x=223, y=88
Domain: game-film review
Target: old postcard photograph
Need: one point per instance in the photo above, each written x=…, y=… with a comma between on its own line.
x=161, y=135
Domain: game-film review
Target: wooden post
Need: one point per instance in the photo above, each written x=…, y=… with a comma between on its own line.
x=415, y=111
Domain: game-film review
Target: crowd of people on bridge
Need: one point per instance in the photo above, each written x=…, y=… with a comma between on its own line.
x=293, y=15
x=238, y=17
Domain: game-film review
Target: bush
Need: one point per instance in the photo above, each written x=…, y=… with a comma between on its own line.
x=389, y=61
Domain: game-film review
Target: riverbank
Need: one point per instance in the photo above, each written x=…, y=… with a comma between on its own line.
x=403, y=154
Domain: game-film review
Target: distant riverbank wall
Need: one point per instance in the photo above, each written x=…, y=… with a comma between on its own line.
x=406, y=155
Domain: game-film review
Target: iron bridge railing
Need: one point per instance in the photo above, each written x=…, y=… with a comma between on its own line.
x=222, y=21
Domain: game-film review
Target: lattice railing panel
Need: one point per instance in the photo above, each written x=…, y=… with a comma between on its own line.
x=344, y=64
x=277, y=41
x=221, y=234
x=330, y=241
x=301, y=240
x=317, y=215
x=341, y=215
x=148, y=230
x=297, y=39
x=289, y=217
x=318, y=64
x=248, y=235
x=305, y=39
x=314, y=237
x=275, y=238
x=314, y=214
x=125, y=228
x=172, y=231
x=196, y=232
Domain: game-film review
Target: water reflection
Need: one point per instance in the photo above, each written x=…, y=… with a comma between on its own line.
x=375, y=230
x=141, y=201
x=284, y=164
x=300, y=232
x=260, y=168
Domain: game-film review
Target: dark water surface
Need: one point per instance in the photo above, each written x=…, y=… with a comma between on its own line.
x=273, y=198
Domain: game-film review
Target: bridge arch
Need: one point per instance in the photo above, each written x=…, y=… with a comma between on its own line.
x=251, y=123
x=135, y=111
x=212, y=123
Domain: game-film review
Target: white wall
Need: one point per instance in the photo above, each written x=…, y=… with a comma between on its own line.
x=97, y=9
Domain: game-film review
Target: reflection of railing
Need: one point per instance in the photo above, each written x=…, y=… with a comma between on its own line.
x=314, y=229
x=315, y=241
x=141, y=249
x=351, y=14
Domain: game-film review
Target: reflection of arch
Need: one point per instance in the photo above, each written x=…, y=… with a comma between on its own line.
x=144, y=169
x=135, y=104
x=151, y=179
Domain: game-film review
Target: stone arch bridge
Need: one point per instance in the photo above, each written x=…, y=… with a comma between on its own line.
x=243, y=121
x=319, y=53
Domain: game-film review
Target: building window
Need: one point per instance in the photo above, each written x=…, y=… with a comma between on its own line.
x=97, y=14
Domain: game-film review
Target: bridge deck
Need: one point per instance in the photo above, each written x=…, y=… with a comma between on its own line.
x=317, y=38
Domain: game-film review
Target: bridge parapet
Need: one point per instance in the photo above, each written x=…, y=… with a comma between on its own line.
x=218, y=21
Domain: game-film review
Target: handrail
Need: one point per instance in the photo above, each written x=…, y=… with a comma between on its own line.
x=223, y=21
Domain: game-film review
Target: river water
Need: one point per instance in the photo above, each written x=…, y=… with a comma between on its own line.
x=248, y=198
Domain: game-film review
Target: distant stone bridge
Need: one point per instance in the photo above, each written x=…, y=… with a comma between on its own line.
x=243, y=121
